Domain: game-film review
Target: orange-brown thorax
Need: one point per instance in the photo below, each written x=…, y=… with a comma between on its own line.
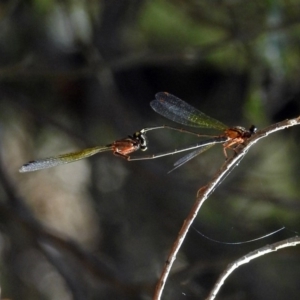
x=125, y=146
x=237, y=135
x=137, y=141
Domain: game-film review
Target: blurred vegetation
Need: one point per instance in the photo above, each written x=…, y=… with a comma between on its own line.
x=76, y=74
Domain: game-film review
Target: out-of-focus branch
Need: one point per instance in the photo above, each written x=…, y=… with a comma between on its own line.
x=16, y=211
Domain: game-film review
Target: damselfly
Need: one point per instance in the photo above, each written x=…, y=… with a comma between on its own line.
x=181, y=112
x=172, y=108
x=121, y=148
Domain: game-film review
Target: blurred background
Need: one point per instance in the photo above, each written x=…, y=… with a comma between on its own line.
x=76, y=74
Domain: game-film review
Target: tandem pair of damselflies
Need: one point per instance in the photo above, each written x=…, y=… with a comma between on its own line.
x=172, y=108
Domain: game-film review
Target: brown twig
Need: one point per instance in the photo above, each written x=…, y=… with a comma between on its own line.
x=208, y=189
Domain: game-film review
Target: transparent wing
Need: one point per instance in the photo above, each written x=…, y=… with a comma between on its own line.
x=181, y=112
x=189, y=156
x=198, y=151
x=62, y=159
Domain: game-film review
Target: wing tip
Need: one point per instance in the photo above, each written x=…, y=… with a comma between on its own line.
x=25, y=168
x=161, y=94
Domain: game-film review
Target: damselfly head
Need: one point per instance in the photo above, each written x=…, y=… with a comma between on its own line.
x=252, y=129
x=140, y=137
x=248, y=133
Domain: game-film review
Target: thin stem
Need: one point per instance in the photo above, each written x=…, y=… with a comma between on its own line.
x=247, y=258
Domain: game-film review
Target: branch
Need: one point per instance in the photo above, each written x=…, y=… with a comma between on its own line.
x=208, y=189
x=245, y=259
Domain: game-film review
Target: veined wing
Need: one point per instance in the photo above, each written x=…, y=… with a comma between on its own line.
x=181, y=112
x=62, y=159
x=205, y=146
x=189, y=156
